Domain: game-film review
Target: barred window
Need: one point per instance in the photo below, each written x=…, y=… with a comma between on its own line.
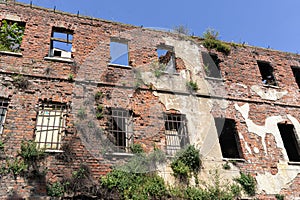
x=3, y=111
x=176, y=132
x=50, y=125
x=121, y=128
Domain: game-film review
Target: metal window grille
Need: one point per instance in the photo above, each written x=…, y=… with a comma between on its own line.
x=50, y=125
x=121, y=128
x=176, y=132
x=3, y=111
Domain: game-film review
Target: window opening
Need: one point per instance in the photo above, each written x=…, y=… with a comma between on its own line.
x=166, y=59
x=176, y=132
x=266, y=71
x=290, y=141
x=211, y=65
x=121, y=128
x=119, y=53
x=3, y=111
x=11, y=35
x=50, y=125
x=228, y=138
x=296, y=72
x=61, y=43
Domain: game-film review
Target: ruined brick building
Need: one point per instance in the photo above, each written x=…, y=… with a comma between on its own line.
x=85, y=89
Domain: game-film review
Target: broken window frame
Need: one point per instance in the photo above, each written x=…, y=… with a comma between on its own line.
x=290, y=141
x=296, y=73
x=15, y=28
x=124, y=55
x=120, y=129
x=211, y=65
x=176, y=132
x=267, y=73
x=50, y=125
x=3, y=113
x=170, y=65
x=68, y=33
x=223, y=129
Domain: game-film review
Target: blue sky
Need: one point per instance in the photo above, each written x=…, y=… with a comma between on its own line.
x=264, y=23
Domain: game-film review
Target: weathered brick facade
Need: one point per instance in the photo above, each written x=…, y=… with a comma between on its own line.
x=147, y=94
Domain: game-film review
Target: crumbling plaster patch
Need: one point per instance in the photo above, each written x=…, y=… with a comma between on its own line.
x=268, y=93
x=272, y=184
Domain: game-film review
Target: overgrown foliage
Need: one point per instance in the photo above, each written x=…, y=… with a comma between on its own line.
x=181, y=29
x=187, y=162
x=279, y=197
x=55, y=190
x=211, y=42
x=21, y=81
x=1, y=146
x=192, y=86
x=11, y=35
x=135, y=185
x=247, y=182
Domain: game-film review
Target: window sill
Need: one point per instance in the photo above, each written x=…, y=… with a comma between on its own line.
x=271, y=86
x=293, y=163
x=53, y=151
x=119, y=66
x=59, y=59
x=11, y=53
x=213, y=78
x=120, y=154
x=234, y=159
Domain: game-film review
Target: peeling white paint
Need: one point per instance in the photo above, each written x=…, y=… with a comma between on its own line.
x=271, y=184
x=268, y=93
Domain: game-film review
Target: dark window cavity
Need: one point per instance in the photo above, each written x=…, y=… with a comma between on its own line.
x=296, y=72
x=211, y=65
x=290, y=141
x=228, y=138
x=266, y=71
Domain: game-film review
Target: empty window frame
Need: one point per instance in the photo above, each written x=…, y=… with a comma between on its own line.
x=11, y=35
x=166, y=59
x=61, y=43
x=176, y=132
x=290, y=141
x=211, y=65
x=296, y=72
x=266, y=71
x=119, y=52
x=228, y=138
x=3, y=111
x=50, y=125
x=121, y=129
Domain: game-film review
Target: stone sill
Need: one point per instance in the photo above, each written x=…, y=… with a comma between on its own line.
x=214, y=79
x=11, y=53
x=53, y=151
x=234, y=159
x=119, y=66
x=59, y=59
x=293, y=163
x=119, y=154
x=271, y=86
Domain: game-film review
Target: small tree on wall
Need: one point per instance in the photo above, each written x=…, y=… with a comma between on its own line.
x=11, y=35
